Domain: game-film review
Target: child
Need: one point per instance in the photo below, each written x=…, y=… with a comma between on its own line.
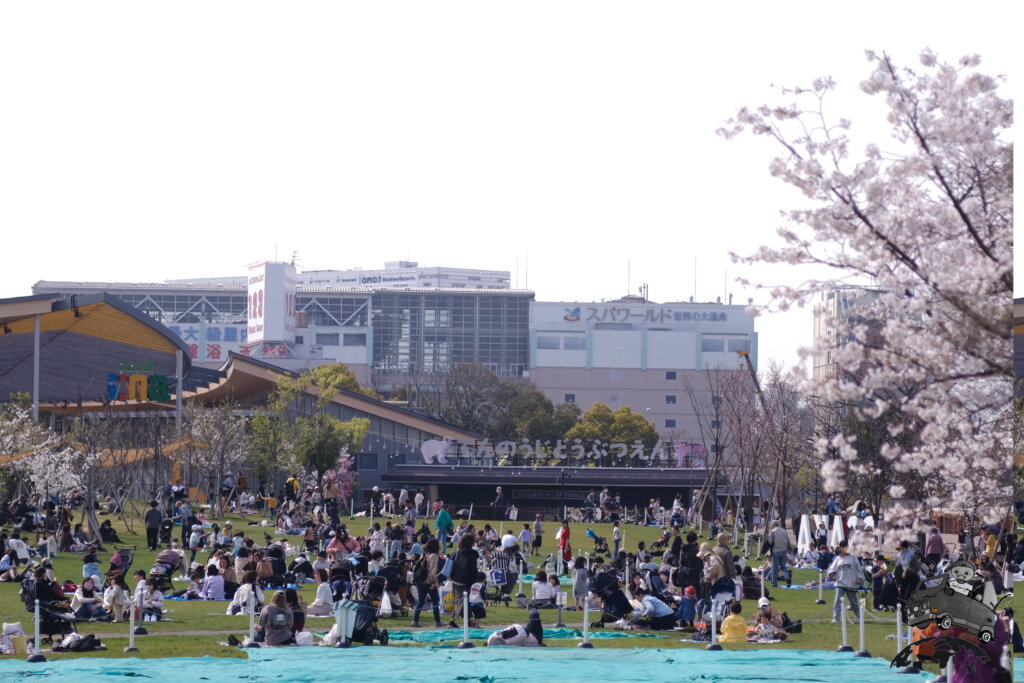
x=193, y=542
x=556, y=587
x=152, y=602
x=878, y=573
x=580, y=582
x=734, y=629
x=525, y=537
x=194, y=588
x=477, y=611
x=686, y=611
x=616, y=538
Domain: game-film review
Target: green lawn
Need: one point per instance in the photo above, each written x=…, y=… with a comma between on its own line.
x=198, y=618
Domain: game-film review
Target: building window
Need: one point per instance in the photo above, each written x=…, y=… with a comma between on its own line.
x=712, y=345
x=670, y=400
x=354, y=340
x=570, y=398
x=298, y=339
x=670, y=423
x=714, y=448
x=739, y=345
x=670, y=374
x=714, y=424
x=575, y=343
x=326, y=339
x=548, y=342
x=367, y=461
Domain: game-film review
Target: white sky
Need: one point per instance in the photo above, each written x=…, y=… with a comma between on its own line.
x=144, y=141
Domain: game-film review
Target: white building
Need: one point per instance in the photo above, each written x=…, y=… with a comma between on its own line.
x=637, y=354
x=837, y=308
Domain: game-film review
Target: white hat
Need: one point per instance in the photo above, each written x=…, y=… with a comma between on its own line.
x=196, y=527
x=763, y=602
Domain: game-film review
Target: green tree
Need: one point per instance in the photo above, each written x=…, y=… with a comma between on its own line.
x=628, y=427
x=318, y=440
x=596, y=423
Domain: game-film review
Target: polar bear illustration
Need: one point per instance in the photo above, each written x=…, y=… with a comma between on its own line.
x=436, y=450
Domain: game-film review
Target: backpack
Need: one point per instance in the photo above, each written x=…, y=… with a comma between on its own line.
x=825, y=560
x=915, y=563
x=790, y=626
x=420, y=571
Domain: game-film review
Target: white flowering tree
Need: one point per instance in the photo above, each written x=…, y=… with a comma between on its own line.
x=21, y=436
x=216, y=445
x=59, y=472
x=927, y=218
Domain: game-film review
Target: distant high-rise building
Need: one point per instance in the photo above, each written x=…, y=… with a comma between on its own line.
x=838, y=307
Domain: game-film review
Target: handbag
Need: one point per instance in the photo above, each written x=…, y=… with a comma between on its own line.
x=449, y=565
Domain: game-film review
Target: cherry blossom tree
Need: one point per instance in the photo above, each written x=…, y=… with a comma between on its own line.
x=216, y=445
x=927, y=219
x=58, y=472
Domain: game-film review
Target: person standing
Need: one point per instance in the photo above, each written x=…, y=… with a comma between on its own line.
x=849, y=576
x=934, y=547
x=616, y=538
x=444, y=527
x=424, y=577
x=778, y=541
x=500, y=504
x=564, y=547
x=908, y=570
x=419, y=500
x=153, y=519
x=538, y=534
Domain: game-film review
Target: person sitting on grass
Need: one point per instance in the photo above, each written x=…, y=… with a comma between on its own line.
x=249, y=587
x=323, y=604
x=213, y=586
x=768, y=621
x=659, y=616
x=87, y=603
x=275, y=623
x=115, y=598
x=542, y=595
x=9, y=566
x=152, y=602
x=298, y=608
x=734, y=628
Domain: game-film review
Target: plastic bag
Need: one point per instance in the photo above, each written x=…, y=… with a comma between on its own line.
x=305, y=638
x=385, y=606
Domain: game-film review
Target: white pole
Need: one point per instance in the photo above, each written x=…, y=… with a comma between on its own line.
x=899, y=632
x=131, y=623
x=565, y=512
x=587, y=555
x=39, y=643
x=714, y=645
x=520, y=577
x=351, y=507
x=762, y=582
x=252, y=613
x=465, y=623
x=623, y=539
x=862, y=652
x=821, y=588
x=586, y=623
x=471, y=512
x=845, y=647
x=501, y=529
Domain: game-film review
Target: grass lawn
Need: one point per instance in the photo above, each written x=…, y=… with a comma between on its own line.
x=202, y=624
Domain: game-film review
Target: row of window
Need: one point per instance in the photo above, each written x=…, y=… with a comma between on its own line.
x=708, y=345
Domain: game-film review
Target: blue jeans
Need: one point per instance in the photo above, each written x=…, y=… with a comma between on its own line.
x=779, y=560
x=442, y=536
x=851, y=596
x=615, y=553
x=422, y=591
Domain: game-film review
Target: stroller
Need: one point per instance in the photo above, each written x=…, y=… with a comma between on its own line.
x=166, y=563
x=166, y=529
x=498, y=587
x=605, y=585
x=600, y=543
x=365, y=630
x=55, y=618
x=121, y=561
x=661, y=545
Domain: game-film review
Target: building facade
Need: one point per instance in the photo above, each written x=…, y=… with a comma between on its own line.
x=838, y=308
x=649, y=356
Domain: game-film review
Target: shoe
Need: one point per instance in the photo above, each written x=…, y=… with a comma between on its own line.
x=438, y=624
x=835, y=621
x=415, y=624
x=452, y=624
x=232, y=641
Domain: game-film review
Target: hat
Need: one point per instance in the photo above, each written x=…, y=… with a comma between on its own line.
x=705, y=550
x=763, y=602
x=690, y=592
x=665, y=572
x=196, y=527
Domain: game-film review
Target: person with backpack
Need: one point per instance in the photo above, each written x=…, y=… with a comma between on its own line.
x=424, y=577
x=463, y=576
x=908, y=571
x=690, y=566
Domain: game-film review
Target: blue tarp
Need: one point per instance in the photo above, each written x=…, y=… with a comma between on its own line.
x=491, y=665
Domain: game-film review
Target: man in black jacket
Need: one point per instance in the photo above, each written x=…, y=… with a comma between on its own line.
x=153, y=519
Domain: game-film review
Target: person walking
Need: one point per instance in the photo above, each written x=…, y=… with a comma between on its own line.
x=779, y=543
x=153, y=519
x=849, y=576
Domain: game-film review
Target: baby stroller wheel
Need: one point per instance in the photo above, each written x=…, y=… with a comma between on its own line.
x=368, y=640
x=384, y=637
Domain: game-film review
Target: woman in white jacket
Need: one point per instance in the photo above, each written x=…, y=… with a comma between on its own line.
x=323, y=605
x=240, y=603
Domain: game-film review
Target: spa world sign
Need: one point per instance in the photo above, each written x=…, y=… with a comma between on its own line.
x=137, y=382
